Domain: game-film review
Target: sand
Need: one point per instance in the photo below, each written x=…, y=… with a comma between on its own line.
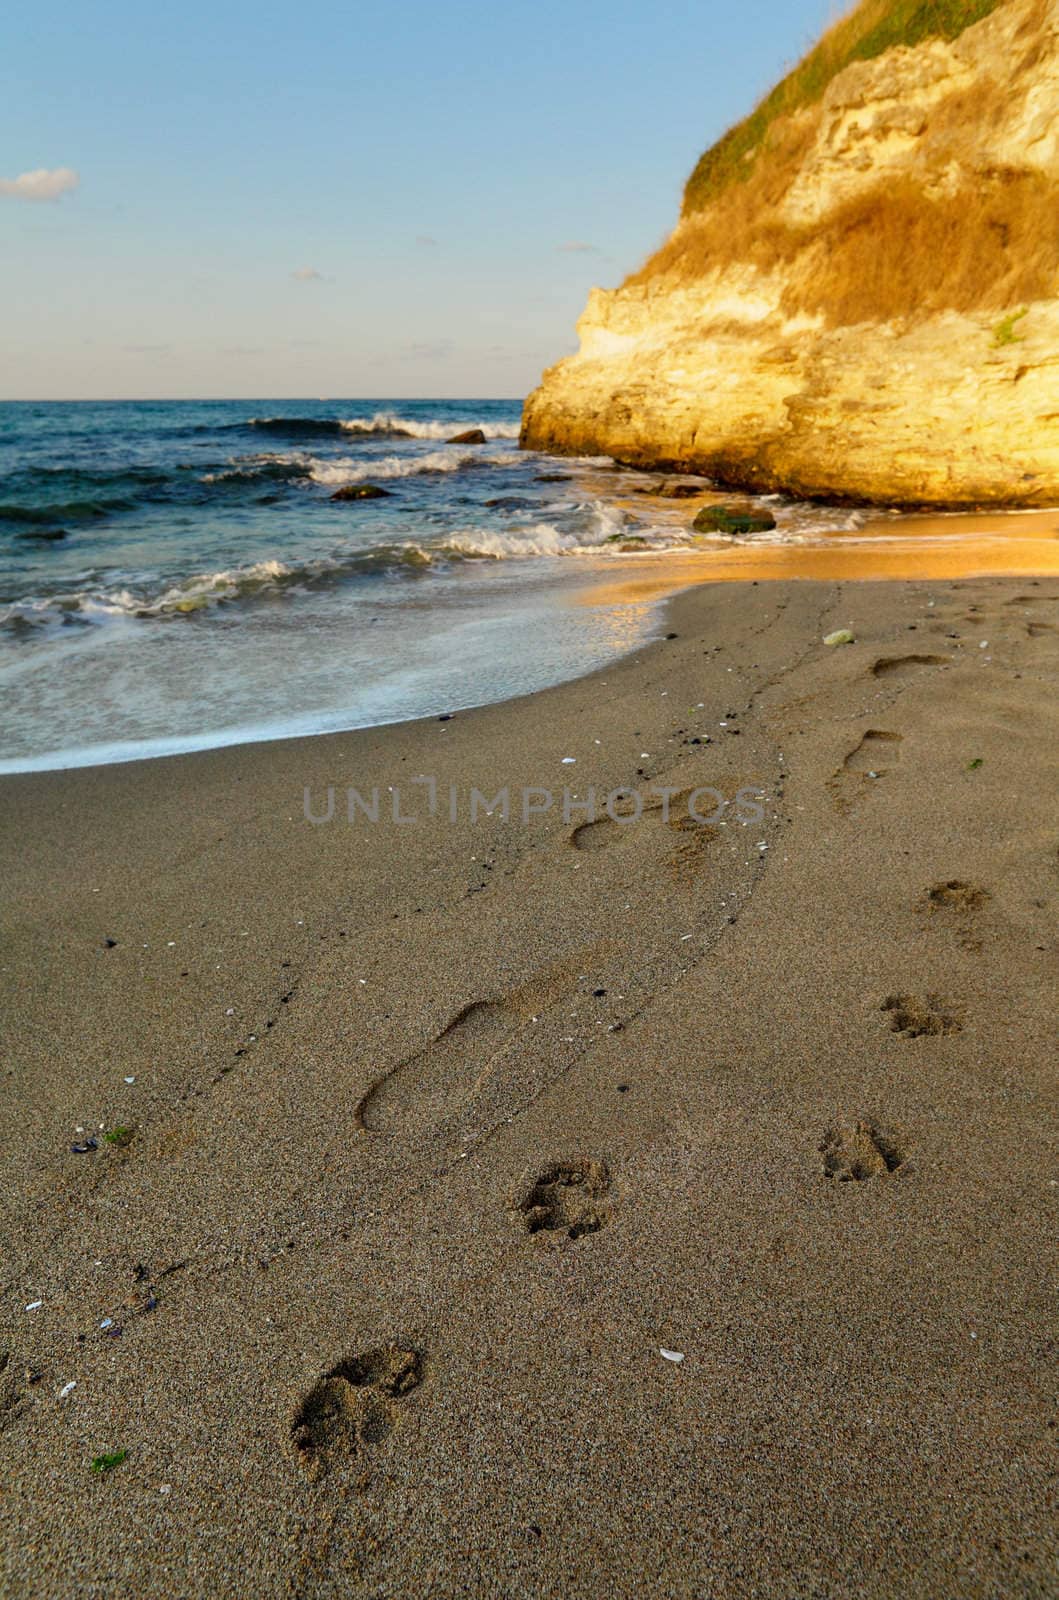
x=445, y=1139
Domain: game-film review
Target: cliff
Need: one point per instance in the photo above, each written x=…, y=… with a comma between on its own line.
x=861, y=298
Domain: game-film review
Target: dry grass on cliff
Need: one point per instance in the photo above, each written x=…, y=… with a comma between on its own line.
x=898, y=253
x=895, y=251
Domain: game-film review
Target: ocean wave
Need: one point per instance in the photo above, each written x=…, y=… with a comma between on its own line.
x=62, y=511
x=593, y=527
x=345, y=469
x=384, y=425
x=388, y=425
x=186, y=596
x=55, y=496
x=243, y=470
x=540, y=539
x=204, y=591
x=43, y=496
x=295, y=427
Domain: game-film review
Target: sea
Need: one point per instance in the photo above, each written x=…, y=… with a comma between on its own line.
x=177, y=575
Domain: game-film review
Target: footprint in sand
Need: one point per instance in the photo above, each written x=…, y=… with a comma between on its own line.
x=597, y=835
x=352, y=1407
x=431, y=1085
x=905, y=666
x=563, y=1200
x=956, y=906
x=694, y=833
x=857, y=1152
x=916, y=1018
x=957, y=896
x=872, y=759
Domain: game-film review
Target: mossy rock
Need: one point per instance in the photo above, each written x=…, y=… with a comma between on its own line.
x=360, y=491
x=733, y=519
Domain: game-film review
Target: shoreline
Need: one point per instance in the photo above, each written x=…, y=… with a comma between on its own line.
x=924, y=548
x=344, y=1065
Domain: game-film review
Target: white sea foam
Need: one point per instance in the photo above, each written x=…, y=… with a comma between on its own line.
x=597, y=525
x=279, y=465
x=190, y=594
x=347, y=469
x=388, y=423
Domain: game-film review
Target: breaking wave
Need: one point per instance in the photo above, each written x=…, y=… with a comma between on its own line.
x=249, y=470
x=383, y=425
x=346, y=469
x=386, y=424
x=593, y=527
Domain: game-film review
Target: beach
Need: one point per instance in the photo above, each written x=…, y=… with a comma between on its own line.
x=572, y=1203
x=188, y=575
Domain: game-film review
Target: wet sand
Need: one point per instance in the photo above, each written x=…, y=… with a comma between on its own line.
x=925, y=546
x=440, y=1135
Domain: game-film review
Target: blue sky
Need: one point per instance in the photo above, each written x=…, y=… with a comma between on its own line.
x=346, y=199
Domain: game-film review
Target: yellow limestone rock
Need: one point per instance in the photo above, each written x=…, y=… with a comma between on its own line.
x=885, y=326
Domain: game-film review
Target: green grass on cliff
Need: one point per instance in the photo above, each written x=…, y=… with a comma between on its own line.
x=872, y=28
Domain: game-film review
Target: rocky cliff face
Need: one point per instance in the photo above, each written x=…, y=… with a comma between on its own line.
x=872, y=311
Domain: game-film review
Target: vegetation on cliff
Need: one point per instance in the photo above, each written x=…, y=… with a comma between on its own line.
x=872, y=28
x=906, y=247
x=861, y=298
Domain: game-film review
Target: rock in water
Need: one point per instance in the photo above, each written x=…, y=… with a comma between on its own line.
x=360, y=491
x=472, y=436
x=861, y=299
x=733, y=519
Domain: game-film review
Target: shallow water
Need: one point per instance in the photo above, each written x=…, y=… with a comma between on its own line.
x=176, y=575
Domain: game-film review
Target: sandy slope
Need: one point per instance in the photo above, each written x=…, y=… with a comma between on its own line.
x=357, y=1051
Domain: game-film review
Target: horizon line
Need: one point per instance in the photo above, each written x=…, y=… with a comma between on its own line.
x=225, y=399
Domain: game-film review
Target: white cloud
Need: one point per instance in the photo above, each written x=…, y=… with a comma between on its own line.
x=44, y=184
x=578, y=247
x=307, y=275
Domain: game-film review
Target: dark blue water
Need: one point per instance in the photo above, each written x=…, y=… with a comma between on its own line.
x=177, y=574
